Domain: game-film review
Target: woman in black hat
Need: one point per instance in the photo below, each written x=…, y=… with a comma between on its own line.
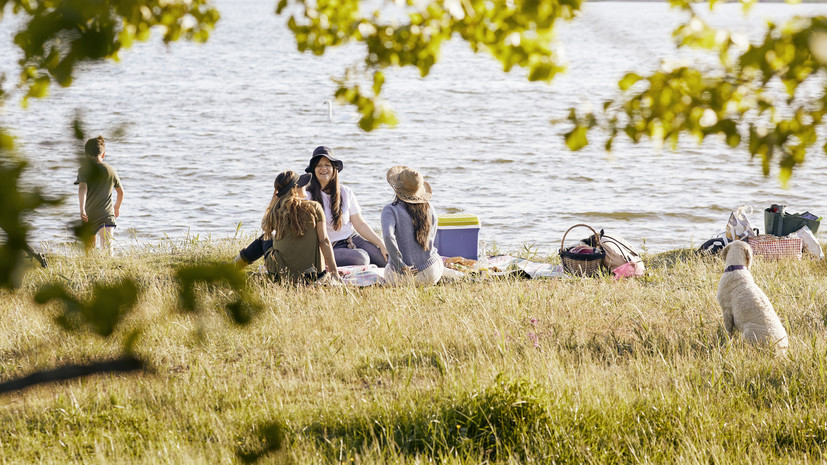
x=295, y=245
x=354, y=241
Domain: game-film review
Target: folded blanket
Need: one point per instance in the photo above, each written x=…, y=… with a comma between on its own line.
x=506, y=264
x=362, y=275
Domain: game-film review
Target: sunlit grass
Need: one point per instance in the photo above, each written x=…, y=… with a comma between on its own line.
x=507, y=371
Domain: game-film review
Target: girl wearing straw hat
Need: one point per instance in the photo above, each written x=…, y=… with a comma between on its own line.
x=409, y=229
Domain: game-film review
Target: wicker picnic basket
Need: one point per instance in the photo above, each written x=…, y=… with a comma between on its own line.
x=774, y=247
x=582, y=264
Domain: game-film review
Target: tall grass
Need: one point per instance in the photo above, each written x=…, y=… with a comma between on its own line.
x=505, y=371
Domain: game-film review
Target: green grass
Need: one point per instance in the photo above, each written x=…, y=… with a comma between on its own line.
x=501, y=371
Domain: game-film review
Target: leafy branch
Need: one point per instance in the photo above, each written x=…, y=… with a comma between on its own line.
x=755, y=99
x=59, y=34
x=396, y=34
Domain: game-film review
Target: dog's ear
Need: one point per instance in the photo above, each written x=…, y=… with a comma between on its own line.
x=724, y=252
x=748, y=257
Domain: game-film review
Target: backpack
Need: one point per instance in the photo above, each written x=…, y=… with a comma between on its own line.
x=714, y=245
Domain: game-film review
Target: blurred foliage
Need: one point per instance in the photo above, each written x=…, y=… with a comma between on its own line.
x=57, y=35
x=752, y=98
x=16, y=203
x=241, y=309
x=269, y=438
x=411, y=33
x=110, y=303
x=85, y=232
x=101, y=314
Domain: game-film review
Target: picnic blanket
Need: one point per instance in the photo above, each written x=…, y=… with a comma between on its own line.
x=498, y=265
x=501, y=265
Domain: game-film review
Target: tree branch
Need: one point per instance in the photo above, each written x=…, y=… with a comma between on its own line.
x=120, y=365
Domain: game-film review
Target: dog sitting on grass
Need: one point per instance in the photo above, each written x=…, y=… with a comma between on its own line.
x=745, y=306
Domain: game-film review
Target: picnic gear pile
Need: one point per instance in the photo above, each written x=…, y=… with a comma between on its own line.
x=787, y=235
x=600, y=253
x=457, y=239
x=463, y=254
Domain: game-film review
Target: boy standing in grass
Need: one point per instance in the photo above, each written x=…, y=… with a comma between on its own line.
x=95, y=182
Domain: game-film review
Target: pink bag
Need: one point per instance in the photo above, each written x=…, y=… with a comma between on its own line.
x=629, y=270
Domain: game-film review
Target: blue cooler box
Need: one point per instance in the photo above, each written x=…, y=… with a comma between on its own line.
x=457, y=236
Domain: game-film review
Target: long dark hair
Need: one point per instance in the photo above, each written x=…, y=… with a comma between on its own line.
x=421, y=217
x=286, y=212
x=332, y=189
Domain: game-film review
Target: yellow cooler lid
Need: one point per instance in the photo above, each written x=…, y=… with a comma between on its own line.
x=458, y=219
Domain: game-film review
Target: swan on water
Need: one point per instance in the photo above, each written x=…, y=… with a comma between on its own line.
x=348, y=117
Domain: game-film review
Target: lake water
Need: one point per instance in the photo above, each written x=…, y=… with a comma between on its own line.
x=207, y=127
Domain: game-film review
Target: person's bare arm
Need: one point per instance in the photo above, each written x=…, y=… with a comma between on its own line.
x=119, y=190
x=327, y=249
x=367, y=232
x=82, y=188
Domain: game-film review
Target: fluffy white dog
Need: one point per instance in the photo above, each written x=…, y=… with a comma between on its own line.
x=745, y=306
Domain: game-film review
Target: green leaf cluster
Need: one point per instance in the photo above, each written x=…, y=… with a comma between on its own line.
x=110, y=303
x=101, y=314
x=738, y=101
x=16, y=202
x=58, y=34
x=397, y=34
x=373, y=112
x=241, y=309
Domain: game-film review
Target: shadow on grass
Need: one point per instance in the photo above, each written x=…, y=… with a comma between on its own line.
x=515, y=420
x=670, y=258
x=497, y=421
x=641, y=341
x=511, y=420
x=428, y=360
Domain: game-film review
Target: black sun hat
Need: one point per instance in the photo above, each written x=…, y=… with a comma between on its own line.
x=295, y=181
x=327, y=152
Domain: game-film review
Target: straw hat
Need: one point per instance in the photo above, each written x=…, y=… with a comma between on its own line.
x=408, y=184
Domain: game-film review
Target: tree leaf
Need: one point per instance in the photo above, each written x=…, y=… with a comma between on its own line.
x=628, y=81
x=576, y=138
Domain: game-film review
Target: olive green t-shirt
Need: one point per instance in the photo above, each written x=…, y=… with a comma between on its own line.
x=291, y=256
x=100, y=179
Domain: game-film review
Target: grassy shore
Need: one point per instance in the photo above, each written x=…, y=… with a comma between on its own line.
x=507, y=371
